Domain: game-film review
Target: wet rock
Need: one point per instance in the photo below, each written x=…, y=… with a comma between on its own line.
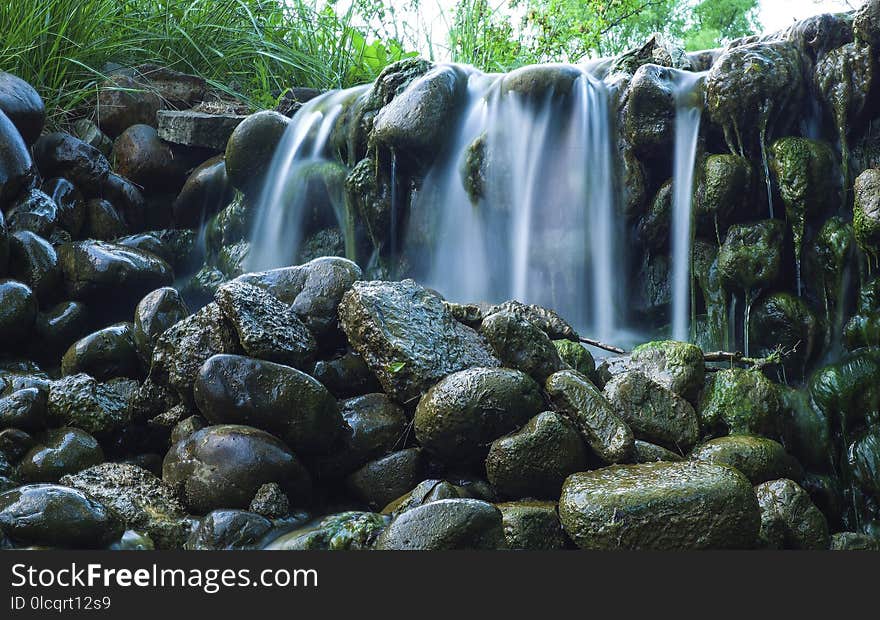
x=24, y=409
x=58, y=327
x=532, y=525
x=91, y=134
x=232, y=258
x=97, y=269
x=657, y=506
x=852, y=541
x=229, y=225
x=521, y=345
x=197, y=129
x=229, y=529
x=804, y=171
x=535, y=460
x=649, y=111
x=23, y=105
x=123, y=102
x=231, y=389
x=34, y=211
x=140, y=156
x=407, y=337
x=725, y=188
x=750, y=86
x=313, y=290
x=62, y=451
x=782, y=320
x=267, y=328
x=414, y=120
x=251, y=147
x=789, y=520
x=104, y=354
x=82, y=402
x=744, y=402
x=62, y=155
x=143, y=501
x=866, y=212
x=751, y=255
x=14, y=444
x=71, y=206
x=677, y=366
x=155, y=313
x=16, y=166
x=270, y=501
x=127, y=200
x=544, y=318
x=56, y=516
x=33, y=261
x=180, y=90
x=224, y=466
x=806, y=431
x=536, y=81
x=866, y=23
x=862, y=331
x=847, y=391
x=602, y=429
x=205, y=192
x=182, y=349
x=458, y=417
x=644, y=452
x=346, y=376
x=187, y=427
x=758, y=458
x=18, y=311
x=863, y=458
x=380, y=481
x=347, y=531
x=374, y=426
x=653, y=412
x=103, y=221
x=576, y=356
x=446, y=524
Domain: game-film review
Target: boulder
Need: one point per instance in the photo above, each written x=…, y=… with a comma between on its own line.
x=660, y=506
x=155, y=313
x=24, y=409
x=270, y=501
x=677, y=366
x=123, y=102
x=381, y=481
x=33, y=211
x=16, y=166
x=56, y=328
x=61, y=155
x=142, y=157
x=197, y=129
x=446, y=524
x=224, y=466
x=789, y=519
x=23, y=105
x=205, y=192
x=744, y=402
x=62, y=451
x=346, y=531
x=103, y=221
x=751, y=256
x=759, y=459
x=407, y=337
x=346, y=376
x=104, y=354
x=33, y=261
x=97, y=408
x=251, y=147
x=458, y=417
x=18, y=311
x=866, y=212
x=602, y=429
x=229, y=529
x=532, y=525
x=521, y=345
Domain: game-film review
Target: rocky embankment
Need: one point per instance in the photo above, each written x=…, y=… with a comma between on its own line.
x=318, y=407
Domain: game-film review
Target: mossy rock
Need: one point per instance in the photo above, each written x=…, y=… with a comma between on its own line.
x=725, y=186
x=346, y=531
x=806, y=431
x=576, y=355
x=758, y=458
x=740, y=402
x=678, y=366
x=848, y=391
x=866, y=213
x=446, y=524
x=862, y=330
x=251, y=148
x=783, y=320
x=789, y=520
x=533, y=525
x=521, y=345
x=751, y=256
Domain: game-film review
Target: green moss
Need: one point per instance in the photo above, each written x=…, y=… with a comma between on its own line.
x=848, y=392
x=347, y=531
x=474, y=170
x=751, y=255
x=678, y=366
x=866, y=214
x=576, y=355
x=862, y=330
x=744, y=402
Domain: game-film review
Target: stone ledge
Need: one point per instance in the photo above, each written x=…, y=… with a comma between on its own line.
x=197, y=128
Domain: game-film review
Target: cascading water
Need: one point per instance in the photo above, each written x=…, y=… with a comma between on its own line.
x=688, y=102
x=291, y=182
x=538, y=222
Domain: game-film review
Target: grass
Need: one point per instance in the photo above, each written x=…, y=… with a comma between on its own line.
x=251, y=49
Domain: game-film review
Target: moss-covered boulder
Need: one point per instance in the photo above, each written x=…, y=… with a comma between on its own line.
x=645, y=452
x=143, y=501
x=725, y=188
x=520, y=344
x=806, y=431
x=224, y=466
x=407, y=336
x=758, y=458
x=537, y=81
x=848, y=391
x=462, y=414
x=740, y=402
x=232, y=389
x=104, y=354
x=751, y=256
x=576, y=356
x=535, y=460
x=789, y=519
x=677, y=366
x=346, y=531
x=447, y=524
x=532, y=525
x=56, y=516
x=863, y=457
x=600, y=426
x=862, y=330
x=653, y=412
x=649, y=111
x=783, y=320
x=660, y=506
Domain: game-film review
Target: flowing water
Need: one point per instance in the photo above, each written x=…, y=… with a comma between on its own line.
x=688, y=89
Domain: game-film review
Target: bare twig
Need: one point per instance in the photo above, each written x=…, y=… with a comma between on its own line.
x=774, y=359
x=603, y=346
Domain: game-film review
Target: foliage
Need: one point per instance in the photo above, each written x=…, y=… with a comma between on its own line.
x=253, y=49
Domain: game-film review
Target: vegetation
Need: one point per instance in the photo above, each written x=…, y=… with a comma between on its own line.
x=254, y=49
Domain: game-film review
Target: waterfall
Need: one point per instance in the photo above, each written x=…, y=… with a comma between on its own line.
x=542, y=228
x=688, y=100
x=293, y=179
